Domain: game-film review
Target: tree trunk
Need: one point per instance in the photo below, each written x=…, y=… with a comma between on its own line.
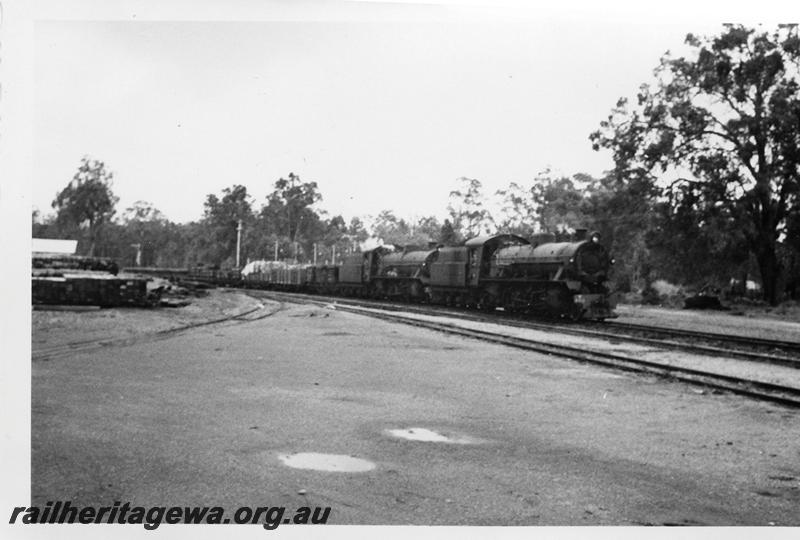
x=92, y=237
x=92, y=243
x=770, y=271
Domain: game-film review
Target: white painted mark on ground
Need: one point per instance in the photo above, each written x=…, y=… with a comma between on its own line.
x=326, y=462
x=425, y=435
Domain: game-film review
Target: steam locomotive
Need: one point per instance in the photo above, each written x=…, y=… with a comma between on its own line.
x=540, y=276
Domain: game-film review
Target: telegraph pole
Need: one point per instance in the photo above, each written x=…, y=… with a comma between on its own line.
x=238, y=242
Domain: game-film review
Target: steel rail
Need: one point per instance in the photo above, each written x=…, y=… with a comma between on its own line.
x=792, y=346
x=778, y=393
x=579, y=330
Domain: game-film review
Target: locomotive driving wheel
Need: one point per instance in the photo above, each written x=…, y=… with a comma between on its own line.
x=486, y=303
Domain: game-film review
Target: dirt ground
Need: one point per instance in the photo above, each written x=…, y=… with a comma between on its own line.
x=787, y=311
x=767, y=373
x=57, y=327
x=205, y=416
x=758, y=322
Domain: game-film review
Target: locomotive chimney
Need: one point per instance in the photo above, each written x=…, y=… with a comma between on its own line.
x=580, y=234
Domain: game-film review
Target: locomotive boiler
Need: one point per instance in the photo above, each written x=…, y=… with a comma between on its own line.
x=565, y=278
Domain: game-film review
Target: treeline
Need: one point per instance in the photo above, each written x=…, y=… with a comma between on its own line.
x=705, y=188
x=651, y=239
x=288, y=224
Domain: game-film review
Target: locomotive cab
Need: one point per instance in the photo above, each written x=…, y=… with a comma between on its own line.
x=481, y=249
x=405, y=273
x=361, y=267
x=459, y=274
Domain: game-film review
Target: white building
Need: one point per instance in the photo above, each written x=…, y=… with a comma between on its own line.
x=49, y=246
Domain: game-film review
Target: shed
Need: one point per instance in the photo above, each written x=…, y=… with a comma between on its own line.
x=53, y=246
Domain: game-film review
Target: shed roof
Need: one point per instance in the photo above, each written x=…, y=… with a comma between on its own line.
x=50, y=245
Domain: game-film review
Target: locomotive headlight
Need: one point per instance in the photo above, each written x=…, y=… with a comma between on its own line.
x=571, y=260
x=613, y=260
x=578, y=299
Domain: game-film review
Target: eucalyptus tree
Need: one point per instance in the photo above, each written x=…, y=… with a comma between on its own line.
x=87, y=203
x=518, y=212
x=468, y=215
x=221, y=218
x=720, y=125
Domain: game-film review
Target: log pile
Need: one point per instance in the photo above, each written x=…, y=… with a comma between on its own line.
x=86, y=281
x=74, y=262
x=90, y=290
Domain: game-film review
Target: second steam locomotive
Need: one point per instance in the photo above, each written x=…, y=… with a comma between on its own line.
x=565, y=279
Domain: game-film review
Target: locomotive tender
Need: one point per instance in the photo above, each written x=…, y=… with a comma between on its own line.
x=566, y=279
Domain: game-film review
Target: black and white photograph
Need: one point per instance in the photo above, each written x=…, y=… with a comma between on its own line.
x=433, y=267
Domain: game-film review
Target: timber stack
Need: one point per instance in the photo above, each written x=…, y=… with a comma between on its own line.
x=86, y=281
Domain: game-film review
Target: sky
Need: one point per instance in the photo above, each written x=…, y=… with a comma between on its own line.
x=383, y=109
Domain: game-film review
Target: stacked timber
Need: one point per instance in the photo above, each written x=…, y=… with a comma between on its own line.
x=86, y=281
x=104, y=290
x=74, y=262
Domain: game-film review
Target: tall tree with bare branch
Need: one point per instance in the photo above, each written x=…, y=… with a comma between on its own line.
x=724, y=124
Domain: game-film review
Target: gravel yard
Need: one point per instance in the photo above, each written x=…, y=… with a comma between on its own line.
x=215, y=415
x=768, y=373
x=56, y=327
x=753, y=324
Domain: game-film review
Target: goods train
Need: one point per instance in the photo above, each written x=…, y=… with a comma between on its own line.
x=564, y=279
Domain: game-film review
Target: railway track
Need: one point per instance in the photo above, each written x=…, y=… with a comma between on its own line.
x=786, y=395
x=58, y=351
x=773, y=345
x=779, y=393
x=784, y=353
